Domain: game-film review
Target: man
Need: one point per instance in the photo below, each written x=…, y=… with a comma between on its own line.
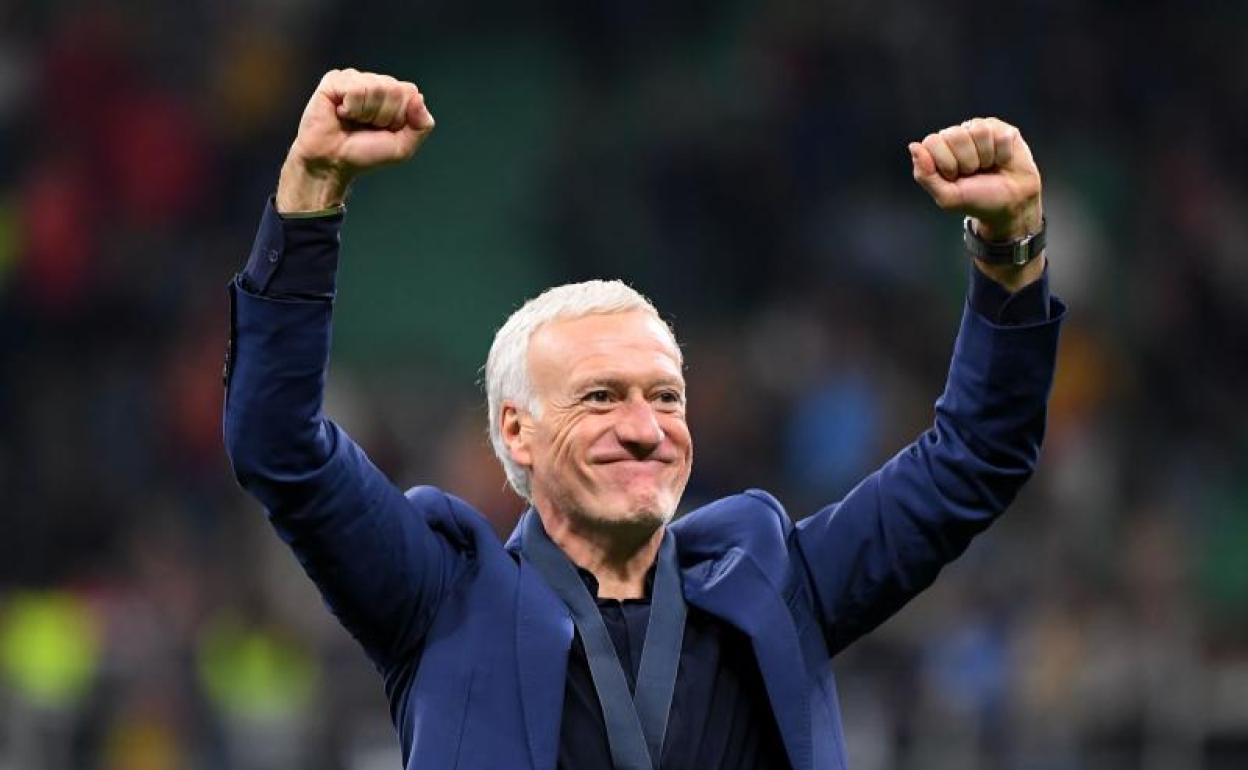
x=603, y=634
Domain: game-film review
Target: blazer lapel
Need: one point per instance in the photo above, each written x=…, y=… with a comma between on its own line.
x=543, y=638
x=734, y=589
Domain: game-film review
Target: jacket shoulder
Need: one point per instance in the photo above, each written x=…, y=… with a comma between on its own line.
x=753, y=522
x=466, y=528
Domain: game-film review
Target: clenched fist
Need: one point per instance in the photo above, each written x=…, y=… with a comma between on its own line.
x=355, y=121
x=984, y=169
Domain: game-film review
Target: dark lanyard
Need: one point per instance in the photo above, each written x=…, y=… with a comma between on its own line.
x=635, y=723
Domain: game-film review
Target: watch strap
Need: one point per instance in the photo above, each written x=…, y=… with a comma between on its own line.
x=1017, y=252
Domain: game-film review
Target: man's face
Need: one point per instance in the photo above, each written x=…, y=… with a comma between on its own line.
x=610, y=445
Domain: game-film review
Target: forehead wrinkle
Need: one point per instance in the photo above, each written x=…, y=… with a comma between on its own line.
x=556, y=351
x=654, y=368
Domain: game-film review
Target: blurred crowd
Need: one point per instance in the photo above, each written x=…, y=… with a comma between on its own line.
x=743, y=164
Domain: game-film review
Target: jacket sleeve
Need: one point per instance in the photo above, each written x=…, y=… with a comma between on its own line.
x=370, y=550
x=886, y=541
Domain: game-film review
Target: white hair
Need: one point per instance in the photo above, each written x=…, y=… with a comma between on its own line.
x=507, y=366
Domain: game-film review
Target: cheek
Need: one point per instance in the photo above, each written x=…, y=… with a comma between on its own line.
x=565, y=443
x=677, y=431
x=685, y=442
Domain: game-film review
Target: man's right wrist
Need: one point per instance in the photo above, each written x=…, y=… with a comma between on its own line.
x=304, y=190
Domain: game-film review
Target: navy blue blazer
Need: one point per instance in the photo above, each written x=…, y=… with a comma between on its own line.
x=473, y=645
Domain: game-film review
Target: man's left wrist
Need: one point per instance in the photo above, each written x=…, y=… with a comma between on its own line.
x=1027, y=221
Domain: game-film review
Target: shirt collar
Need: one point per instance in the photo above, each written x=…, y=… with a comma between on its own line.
x=591, y=584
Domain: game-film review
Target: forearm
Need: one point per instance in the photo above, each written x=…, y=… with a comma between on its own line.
x=888, y=539
x=1011, y=277
x=281, y=313
x=997, y=304
x=367, y=548
x=294, y=256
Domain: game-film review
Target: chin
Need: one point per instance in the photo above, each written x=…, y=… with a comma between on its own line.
x=652, y=509
x=634, y=512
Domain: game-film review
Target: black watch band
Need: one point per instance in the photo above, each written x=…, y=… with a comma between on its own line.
x=1016, y=253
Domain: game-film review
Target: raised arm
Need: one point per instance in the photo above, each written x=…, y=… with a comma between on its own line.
x=370, y=550
x=869, y=554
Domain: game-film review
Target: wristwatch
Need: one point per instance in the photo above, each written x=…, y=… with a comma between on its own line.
x=1017, y=253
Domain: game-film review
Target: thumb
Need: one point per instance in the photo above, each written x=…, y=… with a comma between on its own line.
x=944, y=192
x=418, y=115
x=411, y=136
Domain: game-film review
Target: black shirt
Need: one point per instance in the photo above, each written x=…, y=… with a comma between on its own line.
x=720, y=716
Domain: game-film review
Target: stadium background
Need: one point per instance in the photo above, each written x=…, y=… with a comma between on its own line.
x=745, y=165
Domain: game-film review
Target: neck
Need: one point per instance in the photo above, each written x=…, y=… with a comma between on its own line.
x=617, y=555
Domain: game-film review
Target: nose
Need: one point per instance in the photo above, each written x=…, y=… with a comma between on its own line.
x=638, y=428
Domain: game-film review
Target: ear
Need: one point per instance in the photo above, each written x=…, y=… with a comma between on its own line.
x=515, y=428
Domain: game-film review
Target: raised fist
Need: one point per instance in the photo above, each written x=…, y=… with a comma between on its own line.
x=983, y=169
x=355, y=121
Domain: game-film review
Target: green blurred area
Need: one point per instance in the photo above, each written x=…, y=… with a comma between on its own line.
x=256, y=673
x=49, y=647
x=444, y=247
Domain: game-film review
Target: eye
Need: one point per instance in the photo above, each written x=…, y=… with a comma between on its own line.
x=599, y=396
x=671, y=397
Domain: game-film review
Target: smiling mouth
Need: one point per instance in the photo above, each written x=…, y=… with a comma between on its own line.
x=634, y=461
